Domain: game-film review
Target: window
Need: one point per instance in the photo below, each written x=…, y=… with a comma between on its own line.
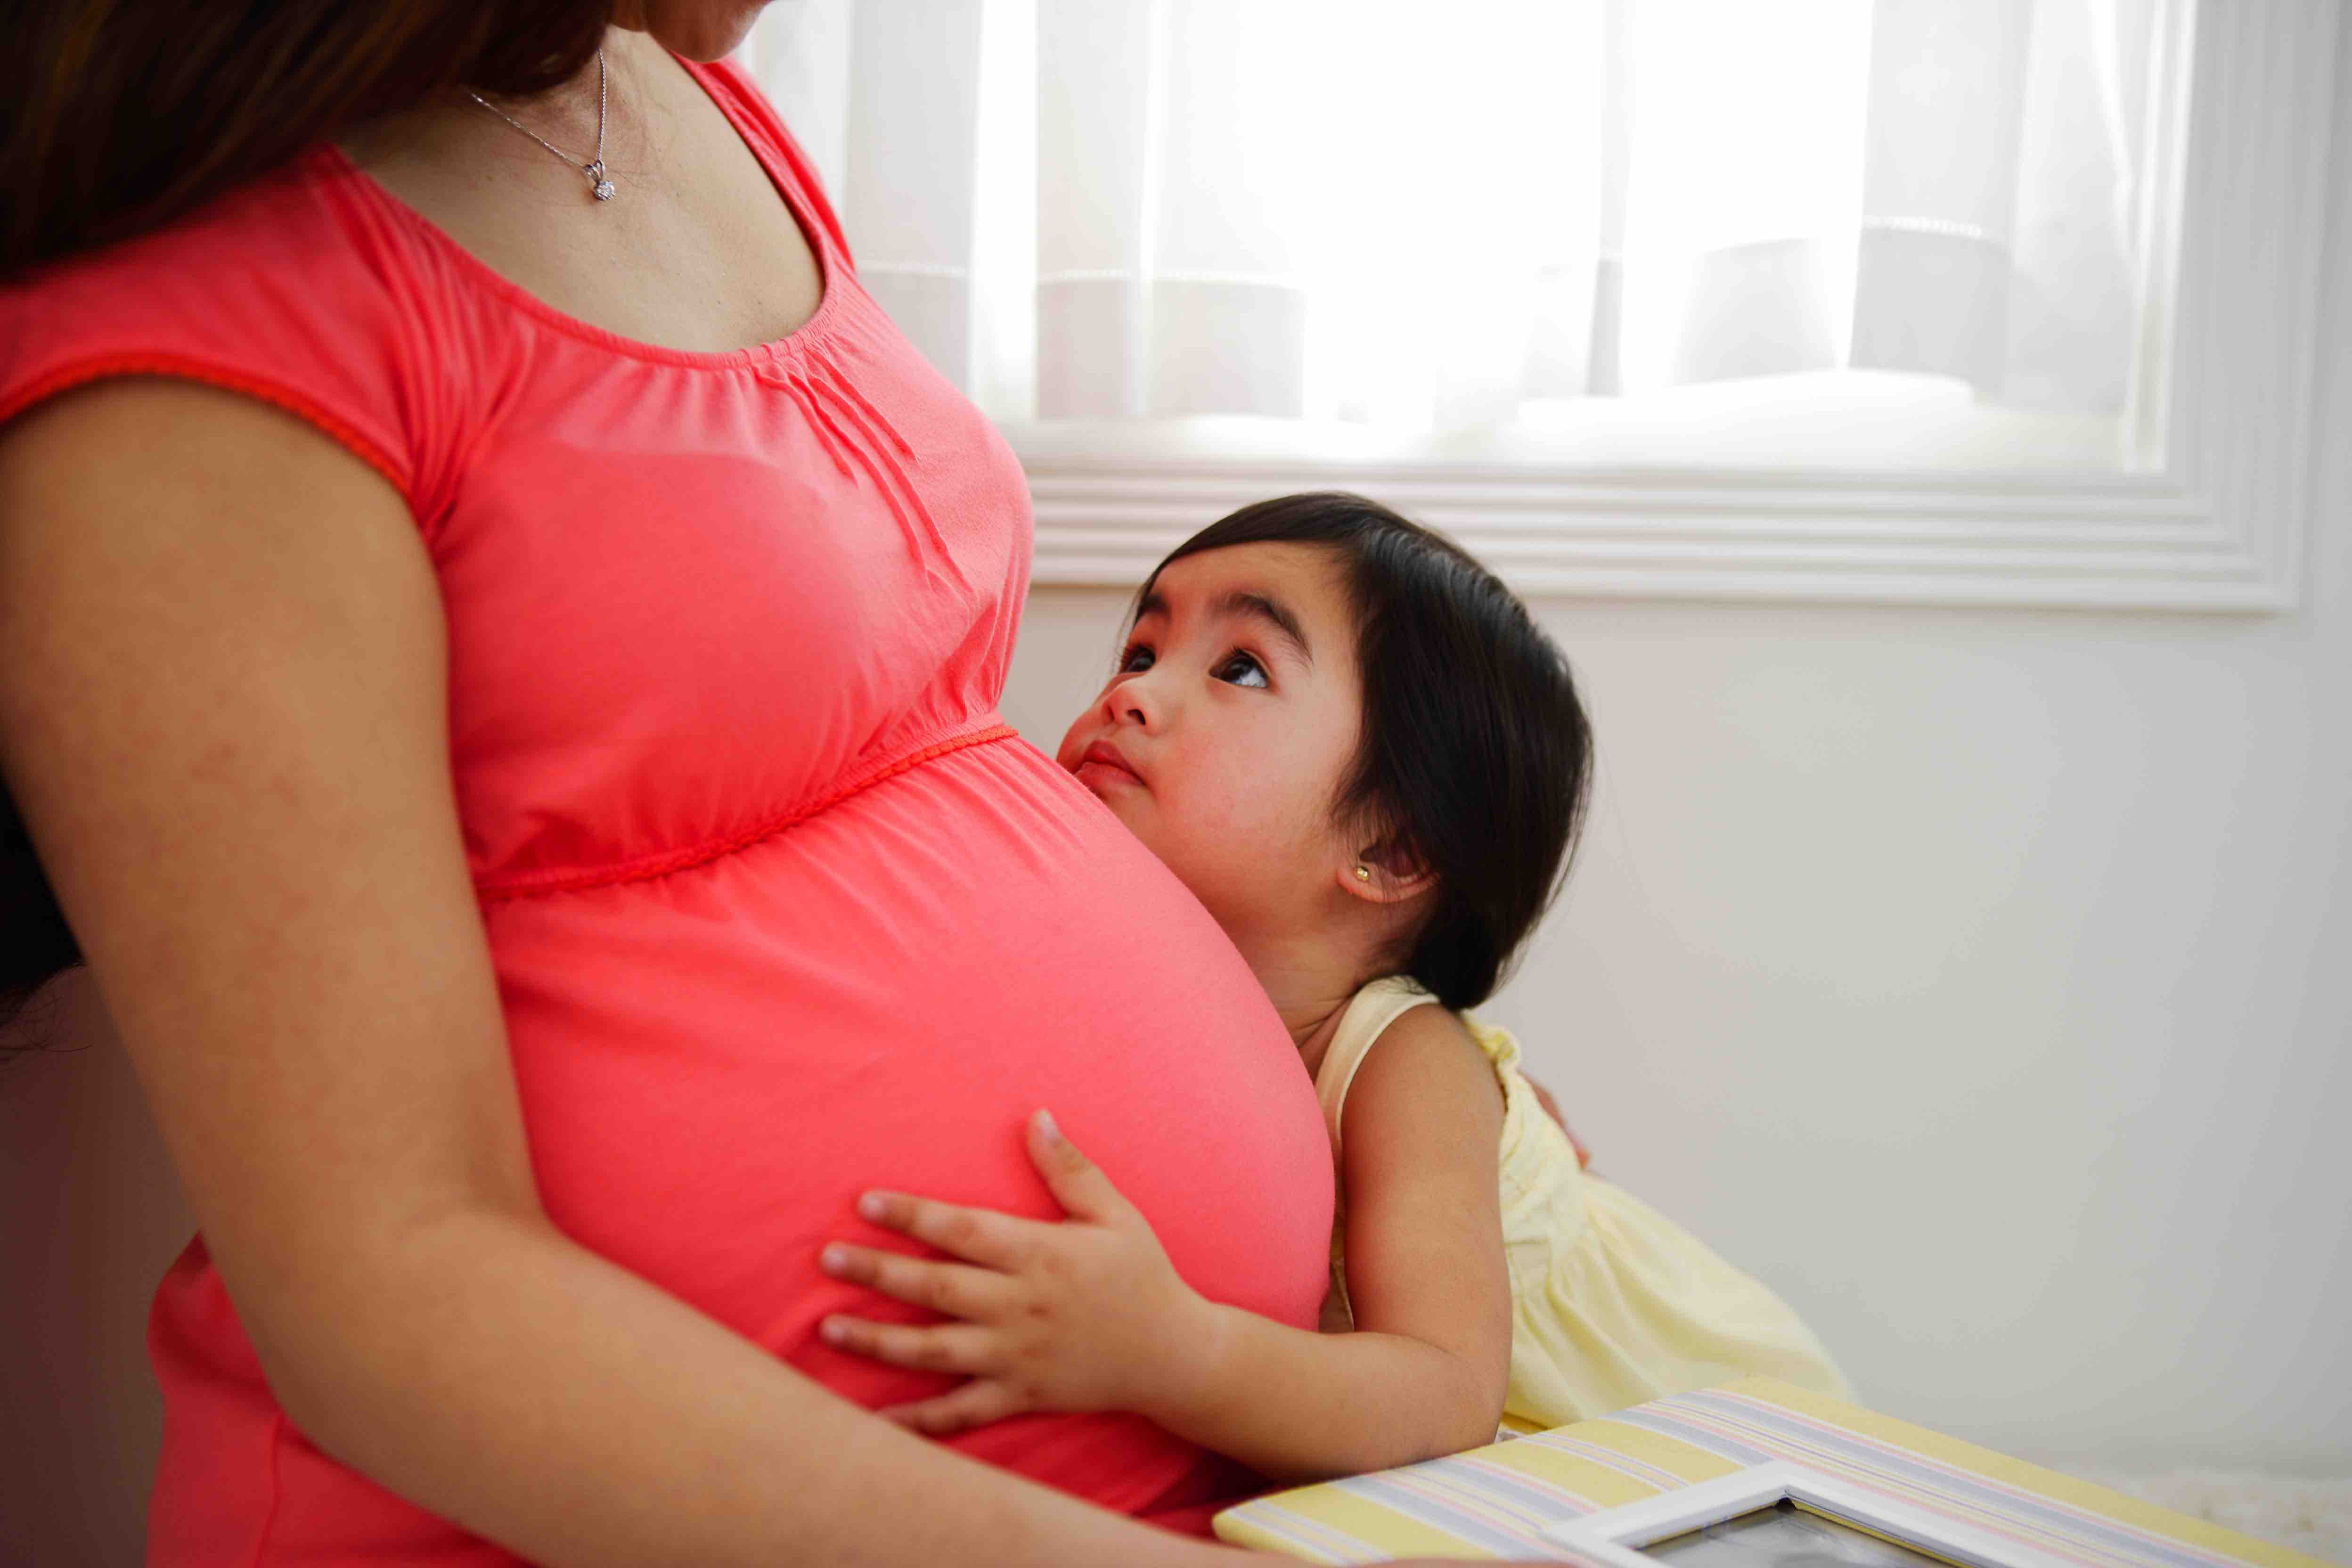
x=1938, y=300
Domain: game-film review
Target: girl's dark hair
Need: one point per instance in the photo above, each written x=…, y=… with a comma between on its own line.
x=1475, y=753
x=122, y=115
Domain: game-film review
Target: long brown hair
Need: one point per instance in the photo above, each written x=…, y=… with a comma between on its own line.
x=122, y=115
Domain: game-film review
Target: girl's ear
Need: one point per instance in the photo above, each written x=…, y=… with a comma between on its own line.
x=1387, y=871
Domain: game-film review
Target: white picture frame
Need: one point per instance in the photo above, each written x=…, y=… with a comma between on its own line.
x=1615, y=1537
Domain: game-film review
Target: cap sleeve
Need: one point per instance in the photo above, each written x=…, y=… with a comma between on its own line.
x=293, y=289
x=1369, y=1013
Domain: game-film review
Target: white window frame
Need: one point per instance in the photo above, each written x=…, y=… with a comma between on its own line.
x=2216, y=520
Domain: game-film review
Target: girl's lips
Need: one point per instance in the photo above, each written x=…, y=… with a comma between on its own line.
x=1103, y=764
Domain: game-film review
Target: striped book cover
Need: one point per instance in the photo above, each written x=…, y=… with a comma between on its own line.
x=1495, y=1501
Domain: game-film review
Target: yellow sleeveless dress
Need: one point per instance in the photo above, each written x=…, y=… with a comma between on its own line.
x=1612, y=1303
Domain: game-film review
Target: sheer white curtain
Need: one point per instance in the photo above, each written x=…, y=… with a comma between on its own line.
x=1453, y=218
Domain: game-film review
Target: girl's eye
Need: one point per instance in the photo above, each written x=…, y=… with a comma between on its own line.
x=1238, y=668
x=1242, y=670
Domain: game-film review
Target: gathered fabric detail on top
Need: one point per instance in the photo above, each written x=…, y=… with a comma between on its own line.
x=852, y=430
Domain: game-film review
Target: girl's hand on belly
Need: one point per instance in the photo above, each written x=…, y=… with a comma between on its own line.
x=1085, y=1314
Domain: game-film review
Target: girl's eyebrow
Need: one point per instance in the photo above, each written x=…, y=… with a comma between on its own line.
x=1264, y=607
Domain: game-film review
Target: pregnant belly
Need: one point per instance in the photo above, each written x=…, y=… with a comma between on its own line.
x=715, y=1063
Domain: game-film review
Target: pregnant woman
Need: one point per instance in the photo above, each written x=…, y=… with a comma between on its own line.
x=500, y=641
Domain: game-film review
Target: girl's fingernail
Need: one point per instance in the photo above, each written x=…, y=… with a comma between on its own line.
x=831, y=1332
x=870, y=1205
x=834, y=1258
x=1048, y=1126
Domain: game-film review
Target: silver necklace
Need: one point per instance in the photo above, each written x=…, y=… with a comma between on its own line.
x=595, y=170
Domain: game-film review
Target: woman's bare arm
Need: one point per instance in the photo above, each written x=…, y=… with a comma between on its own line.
x=223, y=714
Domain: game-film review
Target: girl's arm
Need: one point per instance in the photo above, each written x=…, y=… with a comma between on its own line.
x=1089, y=1315
x=223, y=714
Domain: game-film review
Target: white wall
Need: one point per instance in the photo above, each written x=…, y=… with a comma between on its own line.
x=1973, y=979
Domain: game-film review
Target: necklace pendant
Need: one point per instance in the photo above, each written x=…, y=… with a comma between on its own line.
x=598, y=182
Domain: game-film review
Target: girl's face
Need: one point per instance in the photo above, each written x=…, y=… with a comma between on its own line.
x=1222, y=737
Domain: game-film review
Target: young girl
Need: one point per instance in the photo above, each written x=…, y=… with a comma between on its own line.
x=1353, y=744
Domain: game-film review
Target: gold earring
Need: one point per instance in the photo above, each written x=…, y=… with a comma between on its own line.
x=1363, y=873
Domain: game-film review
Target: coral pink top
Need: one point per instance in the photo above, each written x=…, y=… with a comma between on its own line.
x=780, y=907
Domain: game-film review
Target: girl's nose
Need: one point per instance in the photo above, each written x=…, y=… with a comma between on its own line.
x=1135, y=701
